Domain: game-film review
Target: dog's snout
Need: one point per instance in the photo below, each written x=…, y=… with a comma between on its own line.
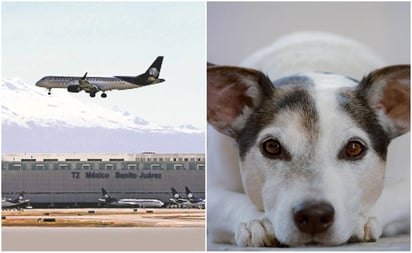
x=313, y=217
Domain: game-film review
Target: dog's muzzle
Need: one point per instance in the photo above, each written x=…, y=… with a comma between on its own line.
x=313, y=217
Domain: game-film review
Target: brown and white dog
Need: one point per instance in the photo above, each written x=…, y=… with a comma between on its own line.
x=301, y=145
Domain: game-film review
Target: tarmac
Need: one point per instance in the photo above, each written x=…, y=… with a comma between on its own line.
x=102, y=239
x=103, y=229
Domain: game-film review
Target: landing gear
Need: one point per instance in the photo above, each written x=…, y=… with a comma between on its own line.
x=92, y=94
x=49, y=93
x=104, y=95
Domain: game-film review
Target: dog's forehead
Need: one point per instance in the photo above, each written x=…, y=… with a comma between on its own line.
x=315, y=80
x=294, y=80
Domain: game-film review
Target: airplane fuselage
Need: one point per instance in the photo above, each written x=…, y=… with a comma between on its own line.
x=102, y=83
x=186, y=203
x=133, y=203
x=7, y=204
x=197, y=204
x=142, y=202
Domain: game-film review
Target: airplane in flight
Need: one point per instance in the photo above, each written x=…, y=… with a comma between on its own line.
x=194, y=201
x=92, y=85
x=109, y=201
x=17, y=203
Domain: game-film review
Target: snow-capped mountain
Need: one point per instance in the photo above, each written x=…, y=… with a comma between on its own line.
x=24, y=104
x=33, y=121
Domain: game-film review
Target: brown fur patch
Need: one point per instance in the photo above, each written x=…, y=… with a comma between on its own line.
x=396, y=104
x=229, y=91
x=388, y=89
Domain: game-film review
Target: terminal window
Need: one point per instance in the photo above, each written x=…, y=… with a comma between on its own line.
x=86, y=166
x=39, y=167
x=179, y=167
x=28, y=160
x=94, y=160
x=116, y=159
x=156, y=167
x=16, y=167
x=63, y=166
x=132, y=166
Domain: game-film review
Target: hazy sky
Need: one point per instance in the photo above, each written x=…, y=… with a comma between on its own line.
x=113, y=38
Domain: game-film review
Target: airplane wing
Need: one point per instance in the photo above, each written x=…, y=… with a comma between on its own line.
x=87, y=86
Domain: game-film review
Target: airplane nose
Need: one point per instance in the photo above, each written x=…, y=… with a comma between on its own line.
x=40, y=83
x=44, y=82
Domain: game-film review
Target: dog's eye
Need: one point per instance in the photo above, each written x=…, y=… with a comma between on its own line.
x=272, y=149
x=353, y=150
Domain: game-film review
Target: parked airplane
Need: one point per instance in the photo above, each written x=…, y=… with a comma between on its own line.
x=17, y=203
x=177, y=200
x=109, y=201
x=194, y=201
x=92, y=85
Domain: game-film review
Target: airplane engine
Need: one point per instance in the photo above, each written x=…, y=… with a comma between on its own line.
x=74, y=88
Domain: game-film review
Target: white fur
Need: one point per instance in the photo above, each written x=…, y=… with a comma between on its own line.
x=350, y=187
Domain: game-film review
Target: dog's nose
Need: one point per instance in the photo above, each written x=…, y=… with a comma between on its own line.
x=313, y=217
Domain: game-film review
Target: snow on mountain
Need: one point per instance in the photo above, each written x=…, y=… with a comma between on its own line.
x=33, y=121
x=24, y=104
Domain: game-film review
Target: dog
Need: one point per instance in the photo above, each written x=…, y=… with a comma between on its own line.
x=297, y=146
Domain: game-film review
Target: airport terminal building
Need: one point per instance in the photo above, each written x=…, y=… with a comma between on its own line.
x=75, y=180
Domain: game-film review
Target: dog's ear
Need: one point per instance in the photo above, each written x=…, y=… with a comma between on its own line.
x=388, y=92
x=232, y=95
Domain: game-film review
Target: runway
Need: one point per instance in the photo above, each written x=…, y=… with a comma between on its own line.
x=105, y=217
x=103, y=229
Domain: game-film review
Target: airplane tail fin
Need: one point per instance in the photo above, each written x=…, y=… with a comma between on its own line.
x=151, y=76
x=105, y=194
x=154, y=69
x=189, y=193
x=175, y=193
